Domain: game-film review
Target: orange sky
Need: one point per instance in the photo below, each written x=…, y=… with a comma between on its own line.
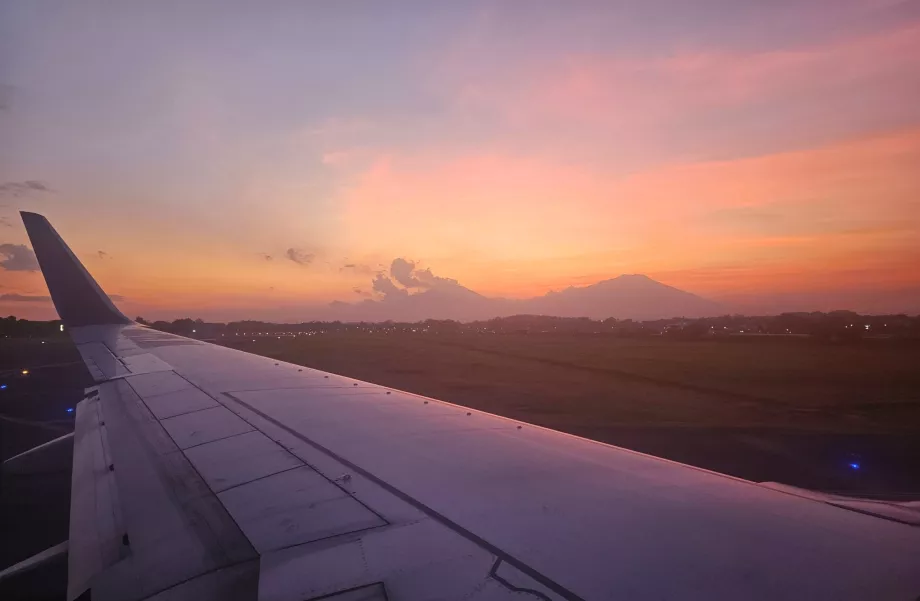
x=761, y=155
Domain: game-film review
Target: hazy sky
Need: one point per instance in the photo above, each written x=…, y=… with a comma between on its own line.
x=262, y=159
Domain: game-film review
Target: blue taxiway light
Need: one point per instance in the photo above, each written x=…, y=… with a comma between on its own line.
x=2, y=386
x=70, y=410
x=854, y=466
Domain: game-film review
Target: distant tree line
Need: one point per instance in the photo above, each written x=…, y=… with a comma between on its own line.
x=10, y=327
x=837, y=325
x=834, y=326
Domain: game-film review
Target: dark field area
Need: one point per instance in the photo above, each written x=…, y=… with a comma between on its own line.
x=599, y=381
x=767, y=409
x=35, y=508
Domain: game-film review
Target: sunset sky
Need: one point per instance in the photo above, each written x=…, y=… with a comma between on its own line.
x=262, y=159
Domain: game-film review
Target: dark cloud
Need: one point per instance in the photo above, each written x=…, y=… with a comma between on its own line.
x=405, y=272
x=17, y=257
x=24, y=298
x=387, y=288
x=30, y=298
x=18, y=189
x=300, y=257
x=357, y=268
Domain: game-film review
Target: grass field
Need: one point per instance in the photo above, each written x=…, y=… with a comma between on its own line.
x=788, y=410
x=587, y=383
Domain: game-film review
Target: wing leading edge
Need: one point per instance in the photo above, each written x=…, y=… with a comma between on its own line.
x=77, y=297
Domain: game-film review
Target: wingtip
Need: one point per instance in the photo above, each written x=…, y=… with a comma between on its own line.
x=27, y=216
x=77, y=297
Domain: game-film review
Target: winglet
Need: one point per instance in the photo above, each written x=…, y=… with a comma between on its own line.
x=77, y=297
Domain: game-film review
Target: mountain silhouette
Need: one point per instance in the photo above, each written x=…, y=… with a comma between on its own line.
x=625, y=297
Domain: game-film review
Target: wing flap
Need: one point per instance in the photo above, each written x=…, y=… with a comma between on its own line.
x=155, y=521
x=96, y=524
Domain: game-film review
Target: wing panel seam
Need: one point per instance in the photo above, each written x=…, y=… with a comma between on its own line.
x=502, y=555
x=287, y=450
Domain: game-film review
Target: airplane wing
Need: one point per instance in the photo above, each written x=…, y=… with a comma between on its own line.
x=204, y=472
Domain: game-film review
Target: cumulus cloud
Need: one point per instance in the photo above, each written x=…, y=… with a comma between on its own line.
x=430, y=280
x=17, y=257
x=18, y=189
x=387, y=288
x=408, y=277
x=401, y=270
x=24, y=298
x=405, y=272
x=299, y=256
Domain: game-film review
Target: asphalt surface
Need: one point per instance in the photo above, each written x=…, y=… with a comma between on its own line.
x=35, y=508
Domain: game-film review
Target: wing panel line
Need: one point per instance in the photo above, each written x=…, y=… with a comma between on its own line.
x=331, y=480
x=499, y=553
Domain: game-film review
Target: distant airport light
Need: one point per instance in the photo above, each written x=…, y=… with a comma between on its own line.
x=70, y=410
x=25, y=372
x=193, y=331
x=854, y=466
x=62, y=327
